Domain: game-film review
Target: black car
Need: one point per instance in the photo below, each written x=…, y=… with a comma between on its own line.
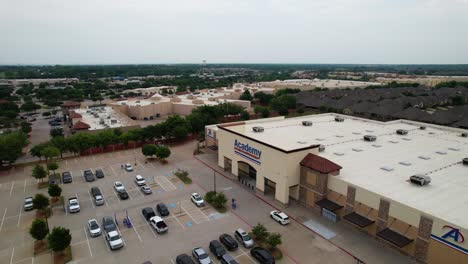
x=228, y=241
x=147, y=213
x=99, y=173
x=184, y=259
x=217, y=249
x=108, y=224
x=162, y=209
x=228, y=259
x=262, y=255
x=123, y=195
x=88, y=175
x=66, y=177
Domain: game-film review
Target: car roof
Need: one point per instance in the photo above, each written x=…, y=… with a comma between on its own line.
x=199, y=250
x=92, y=220
x=194, y=194
x=241, y=231
x=216, y=243
x=139, y=176
x=283, y=215
x=117, y=182
x=156, y=218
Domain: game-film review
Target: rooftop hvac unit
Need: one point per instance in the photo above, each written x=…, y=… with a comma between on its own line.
x=339, y=119
x=465, y=161
x=464, y=134
x=257, y=129
x=321, y=148
x=422, y=127
x=307, y=123
x=420, y=179
x=402, y=132
x=370, y=138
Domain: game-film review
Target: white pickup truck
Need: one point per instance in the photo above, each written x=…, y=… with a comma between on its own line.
x=158, y=224
x=73, y=205
x=114, y=239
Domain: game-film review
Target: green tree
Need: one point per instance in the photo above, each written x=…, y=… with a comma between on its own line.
x=265, y=112
x=29, y=106
x=458, y=100
x=260, y=232
x=283, y=102
x=38, y=229
x=39, y=172
x=246, y=96
x=245, y=115
x=105, y=138
x=40, y=202
x=26, y=127
x=56, y=132
x=11, y=147
x=149, y=150
x=52, y=166
x=59, y=239
x=162, y=152
x=54, y=191
x=220, y=200
x=61, y=143
x=36, y=150
x=263, y=98
x=50, y=152
x=273, y=240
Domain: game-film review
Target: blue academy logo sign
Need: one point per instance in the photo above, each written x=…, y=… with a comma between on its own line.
x=452, y=235
x=247, y=152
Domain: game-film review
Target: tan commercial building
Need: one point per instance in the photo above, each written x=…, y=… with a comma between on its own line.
x=95, y=119
x=403, y=182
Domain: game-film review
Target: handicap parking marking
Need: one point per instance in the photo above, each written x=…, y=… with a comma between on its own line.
x=189, y=224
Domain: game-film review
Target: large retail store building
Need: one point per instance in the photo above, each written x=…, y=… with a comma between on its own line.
x=324, y=162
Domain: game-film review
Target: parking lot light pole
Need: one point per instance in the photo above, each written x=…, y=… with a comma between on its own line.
x=214, y=180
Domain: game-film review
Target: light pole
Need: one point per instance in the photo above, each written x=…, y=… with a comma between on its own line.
x=214, y=180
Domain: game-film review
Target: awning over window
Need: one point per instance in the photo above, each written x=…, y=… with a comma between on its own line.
x=358, y=219
x=329, y=205
x=395, y=238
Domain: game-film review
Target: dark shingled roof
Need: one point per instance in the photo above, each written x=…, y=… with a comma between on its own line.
x=319, y=164
x=80, y=126
x=395, y=238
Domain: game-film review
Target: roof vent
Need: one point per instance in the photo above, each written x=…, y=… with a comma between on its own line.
x=386, y=168
x=370, y=138
x=402, y=132
x=420, y=179
x=339, y=119
x=406, y=163
x=465, y=161
x=257, y=129
x=424, y=157
x=321, y=148
x=464, y=134
x=307, y=123
x=422, y=127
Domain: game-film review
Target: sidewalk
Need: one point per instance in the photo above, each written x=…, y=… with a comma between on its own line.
x=345, y=237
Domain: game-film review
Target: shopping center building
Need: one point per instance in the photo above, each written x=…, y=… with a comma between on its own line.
x=403, y=182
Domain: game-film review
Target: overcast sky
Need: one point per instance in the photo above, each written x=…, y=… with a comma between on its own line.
x=233, y=31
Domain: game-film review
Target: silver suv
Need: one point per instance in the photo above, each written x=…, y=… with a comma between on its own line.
x=243, y=238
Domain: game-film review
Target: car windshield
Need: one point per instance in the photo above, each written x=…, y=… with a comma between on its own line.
x=118, y=184
x=73, y=202
x=114, y=238
x=198, y=198
x=246, y=237
x=203, y=256
x=93, y=225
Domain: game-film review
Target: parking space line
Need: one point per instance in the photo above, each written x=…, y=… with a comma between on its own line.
x=24, y=186
x=87, y=240
x=76, y=162
x=196, y=222
x=19, y=216
x=105, y=242
x=3, y=219
x=11, y=190
x=134, y=228
x=12, y=254
x=91, y=199
x=152, y=231
x=172, y=261
x=121, y=235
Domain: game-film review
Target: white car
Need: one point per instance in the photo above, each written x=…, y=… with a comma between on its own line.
x=128, y=167
x=201, y=256
x=94, y=228
x=119, y=187
x=158, y=224
x=28, y=203
x=139, y=180
x=197, y=199
x=280, y=217
x=114, y=240
x=73, y=205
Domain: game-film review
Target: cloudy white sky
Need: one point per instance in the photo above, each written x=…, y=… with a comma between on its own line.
x=237, y=31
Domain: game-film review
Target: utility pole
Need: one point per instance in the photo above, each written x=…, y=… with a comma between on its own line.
x=214, y=180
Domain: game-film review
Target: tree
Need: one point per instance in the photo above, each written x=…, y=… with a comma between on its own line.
x=260, y=232
x=11, y=147
x=38, y=229
x=263, y=98
x=458, y=100
x=54, y=191
x=163, y=152
x=219, y=200
x=53, y=166
x=40, y=202
x=273, y=240
x=50, y=152
x=283, y=102
x=26, y=127
x=246, y=96
x=149, y=150
x=105, y=138
x=29, y=106
x=61, y=143
x=36, y=150
x=59, y=239
x=39, y=172
x=56, y=132
x=265, y=112
x=245, y=115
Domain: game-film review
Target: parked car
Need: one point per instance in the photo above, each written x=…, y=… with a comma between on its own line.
x=128, y=167
x=162, y=209
x=228, y=241
x=114, y=240
x=147, y=213
x=197, y=199
x=184, y=259
x=67, y=177
x=73, y=205
x=243, y=238
x=93, y=227
x=88, y=175
x=146, y=189
x=158, y=224
x=217, y=249
x=200, y=255
x=123, y=195
x=99, y=173
x=139, y=180
x=280, y=217
x=97, y=196
x=118, y=186
x=108, y=224
x=28, y=203
x=262, y=255
x=228, y=259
